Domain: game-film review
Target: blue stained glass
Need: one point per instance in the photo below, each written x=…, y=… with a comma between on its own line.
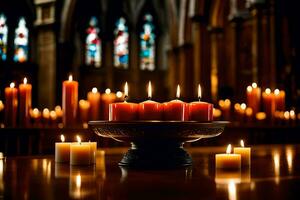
x=147, y=44
x=121, y=44
x=21, y=42
x=93, y=44
x=3, y=37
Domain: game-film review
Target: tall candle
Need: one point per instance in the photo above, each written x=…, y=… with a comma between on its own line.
x=11, y=105
x=228, y=161
x=80, y=154
x=69, y=101
x=150, y=110
x=269, y=103
x=123, y=111
x=253, y=97
x=107, y=98
x=176, y=110
x=62, y=151
x=25, y=103
x=94, y=99
x=279, y=99
x=245, y=153
x=199, y=110
x=84, y=107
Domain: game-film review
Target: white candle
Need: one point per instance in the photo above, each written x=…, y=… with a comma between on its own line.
x=62, y=151
x=80, y=154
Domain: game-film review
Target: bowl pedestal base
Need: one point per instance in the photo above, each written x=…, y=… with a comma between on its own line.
x=153, y=155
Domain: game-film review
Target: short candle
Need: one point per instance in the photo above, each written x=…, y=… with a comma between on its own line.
x=80, y=153
x=245, y=153
x=62, y=151
x=228, y=161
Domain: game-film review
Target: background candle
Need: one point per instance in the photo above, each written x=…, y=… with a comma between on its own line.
x=150, y=110
x=228, y=161
x=225, y=106
x=176, y=110
x=11, y=105
x=1, y=113
x=46, y=117
x=69, y=101
x=80, y=154
x=25, y=103
x=279, y=99
x=93, y=151
x=35, y=115
x=253, y=97
x=107, y=98
x=245, y=153
x=123, y=111
x=93, y=98
x=84, y=107
x=269, y=103
x=62, y=151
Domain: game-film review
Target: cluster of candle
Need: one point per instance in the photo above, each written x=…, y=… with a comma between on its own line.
x=75, y=153
x=175, y=110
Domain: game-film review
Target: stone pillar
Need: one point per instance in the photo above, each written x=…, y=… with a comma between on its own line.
x=46, y=52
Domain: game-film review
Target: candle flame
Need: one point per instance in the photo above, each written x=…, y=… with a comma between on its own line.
x=268, y=91
x=199, y=92
x=62, y=138
x=94, y=90
x=242, y=143
x=276, y=92
x=243, y=106
x=25, y=80
x=70, y=77
x=119, y=94
x=126, y=89
x=78, y=181
x=107, y=91
x=78, y=139
x=228, y=150
x=249, y=89
x=149, y=90
x=178, y=91
x=254, y=85
x=12, y=85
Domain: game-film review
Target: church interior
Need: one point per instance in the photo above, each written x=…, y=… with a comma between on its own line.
x=240, y=56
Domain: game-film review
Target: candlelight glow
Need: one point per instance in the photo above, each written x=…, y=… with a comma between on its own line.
x=1, y=106
x=254, y=85
x=62, y=138
x=12, y=85
x=78, y=139
x=126, y=89
x=107, y=91
x=276, y=92
x=217, y=113
x=199, y=92
x=268, y=91
x=119, y=94
x=242, y=143
x=232, y=194
x=243, y=106
x=25, y=80
x=228, y=150
x=53, y=115
x=46, y=113
x=78, y=181
x=70, y=77
x=178, y=91
x=249, y=89
x=94, y=90
x=237, y=106
x=292, y=114
x=249, y=112
x=261, y=116
x=289, y=159
x=149, y=90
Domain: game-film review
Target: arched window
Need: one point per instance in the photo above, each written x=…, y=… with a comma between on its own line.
x=3, y=37
x=121, y=44
x=21, y=42
x=147, y=44
x=93, y=44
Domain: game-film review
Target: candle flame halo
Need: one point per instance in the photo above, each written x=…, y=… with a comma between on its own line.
x=12, y=85
x=254, y=85
x=199, y=92
x=107, y=91
x=94, y=90
x=268, y=91
x=70, y=77
x=62, y=138
x=242, y=143
x=149, y=90
x=178, y=91
x=243, y=106
x=249, y=88
x=228, y=150
x=78, y=139
x=25, y=80
x=276, y=92
x=119, y=94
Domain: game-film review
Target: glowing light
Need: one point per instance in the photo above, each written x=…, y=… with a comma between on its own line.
x=249, y=89
x=232, y=191
x=12, y=85
x=276, y=160
x=78, y=181
x=243, y=106
x=268, y=91
x=126, y=89
x=242, y=143
x=107, y=91
x=286, y=115
x=199, y=92
x=62, y=138
x=178, y=92
x=149, y=90
x=78, y=139
x=254, y=85
x=228, y=150
x=70, y=77
x=276, y=92
x=289, y=159
x=119, y=94
x=94, y=90
x=25, y=80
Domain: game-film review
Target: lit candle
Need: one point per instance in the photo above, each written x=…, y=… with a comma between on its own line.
x=93, y=98
x=107, y=98
x=53, y=117
x=150, y=110
x=25, y=103
x=69, y=101
x=123, y=111
x=279, y=99
x=59, y=113
x=225, y=106
x=93, y=151
x=62, y=151
x=176, y=110
x=253, y=97
x=84, y=107
x=228, y=161
x=269, y=103
x=46, y=116
x=11, y=105
x=260, y=116
x=35, y=115
x=199, y=110
x=245, y=153
x=80, y=154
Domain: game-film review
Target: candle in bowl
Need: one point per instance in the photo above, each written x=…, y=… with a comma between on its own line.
x=150, y=110
x=80, y=154
x=25, y=103
x=69, y=101
x=245, y=153
x=228, y=161
x=124, y=111
x=62, y=151
x=176, y=110
x=199, y=110
x=279, y=99
x=107, y=98
x=11, y=105
x=93, y=98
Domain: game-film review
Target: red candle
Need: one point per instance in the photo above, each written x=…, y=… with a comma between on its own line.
x=253, y=97
x=69, y=101
x=200, y=111
x=279, y=99
x=269, y=103
x=176, y=110
x=93, y=98
x=107, y=98
x=150, y=110
x=25, y=103
x=11, y=105
x=123, y=111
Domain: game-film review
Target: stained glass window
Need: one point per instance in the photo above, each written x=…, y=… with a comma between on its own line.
x=3, y=37
x=21, y=42
x=93, y=44
x=147, y=44
x=121, y=44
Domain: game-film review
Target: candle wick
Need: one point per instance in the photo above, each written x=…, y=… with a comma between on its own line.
x=199, y=98
x=125, y=98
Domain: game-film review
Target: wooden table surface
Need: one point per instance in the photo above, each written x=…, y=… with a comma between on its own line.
x=274, y=174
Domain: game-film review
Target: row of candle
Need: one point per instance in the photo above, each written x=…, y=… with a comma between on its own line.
x=75, y=153
x=175, y=110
